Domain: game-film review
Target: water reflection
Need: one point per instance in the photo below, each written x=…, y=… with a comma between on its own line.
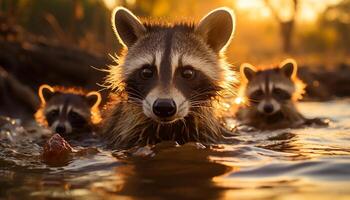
x=171, y=172
x=311, y=162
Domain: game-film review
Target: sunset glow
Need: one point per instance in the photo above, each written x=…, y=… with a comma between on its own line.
x=308, y=9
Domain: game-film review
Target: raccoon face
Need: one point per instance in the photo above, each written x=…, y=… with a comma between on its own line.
x=67, y=113
x=268, y=90
x=172, y=70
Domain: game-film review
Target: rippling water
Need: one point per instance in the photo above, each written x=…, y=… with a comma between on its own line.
x=308, y=163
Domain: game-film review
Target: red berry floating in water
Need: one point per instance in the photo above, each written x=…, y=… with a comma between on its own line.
x=57, y=151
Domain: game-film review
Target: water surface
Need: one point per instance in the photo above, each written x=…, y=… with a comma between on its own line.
x=309, y=163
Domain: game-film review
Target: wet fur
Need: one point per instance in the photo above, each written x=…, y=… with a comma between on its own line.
x=126, y=126
x=94, y=111
x=287, y=117
x=124, y=122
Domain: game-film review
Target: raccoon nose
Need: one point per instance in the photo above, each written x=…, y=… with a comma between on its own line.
x=61, y=129
x=268, y=108
x=164, y=107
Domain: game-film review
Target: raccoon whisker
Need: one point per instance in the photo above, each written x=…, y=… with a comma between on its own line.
x=202, y=93
x=202, y=90
x=201, y=103
x=135, y=96
x=130, y=93
x=136, y=99
x=157, y=132
x=211, y=125
x=198, y=98
x=148, y=103
x=182, y=109
x=253, y=100
x=136, y=92
x=201, y=107
x=182, y=103
x=99, y=69
x=134, y=102
x=141, y=134
x=184, y=123
x=196, y=128
x=102, y=87
x=196, y=114
x=210, y=88
x=185, y=128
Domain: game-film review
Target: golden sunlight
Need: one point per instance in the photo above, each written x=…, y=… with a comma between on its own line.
x=308, y=10
x=254, y=6
x=110, y=4
x=239, y=100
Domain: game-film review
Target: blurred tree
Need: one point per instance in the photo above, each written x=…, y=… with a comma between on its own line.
x=9, y=7
x=286, y=25
x=82, y=23
x=338, y=18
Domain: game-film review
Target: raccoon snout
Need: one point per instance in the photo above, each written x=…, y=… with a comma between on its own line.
x=268, y=108
x=164, y=108
x=61, y=129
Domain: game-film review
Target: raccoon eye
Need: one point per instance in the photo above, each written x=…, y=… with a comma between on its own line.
x=188, y=73
x=280, y=94
x=53, y=113
x=257, y=95
x=146, y=72
x=75, y=117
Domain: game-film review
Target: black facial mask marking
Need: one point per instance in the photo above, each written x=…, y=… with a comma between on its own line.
x=76, y=120
x=280, y=94
x=73, y=118
x=137, y=86
x=197, y=88
x=52, y=116
x=256, y=96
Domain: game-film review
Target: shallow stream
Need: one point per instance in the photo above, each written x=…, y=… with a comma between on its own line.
x=310, y=163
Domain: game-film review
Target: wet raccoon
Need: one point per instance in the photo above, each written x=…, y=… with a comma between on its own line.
x=271, y=95
x=167, y=80
x=68, y=111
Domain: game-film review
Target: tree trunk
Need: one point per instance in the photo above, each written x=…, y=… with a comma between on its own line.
x=286, y=29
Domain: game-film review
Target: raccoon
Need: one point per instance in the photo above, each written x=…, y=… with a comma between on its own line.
x=68, y=111
x=271, y=95
x=167, y=80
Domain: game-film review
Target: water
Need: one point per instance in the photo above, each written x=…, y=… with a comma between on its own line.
x=308, y=163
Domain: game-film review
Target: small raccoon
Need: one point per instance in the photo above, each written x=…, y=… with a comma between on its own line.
x=167, y=81
x=271, y=95
x=68, y=111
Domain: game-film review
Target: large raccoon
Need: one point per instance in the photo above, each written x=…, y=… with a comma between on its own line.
x=68, y=111
x=271, y=95
x=167, y=80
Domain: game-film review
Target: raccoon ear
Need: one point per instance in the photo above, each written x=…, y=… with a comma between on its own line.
x=94, y=99
x=217, y=28
x=289, y=67
x=127, y=27
x=45, y=93
x=248, y=71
